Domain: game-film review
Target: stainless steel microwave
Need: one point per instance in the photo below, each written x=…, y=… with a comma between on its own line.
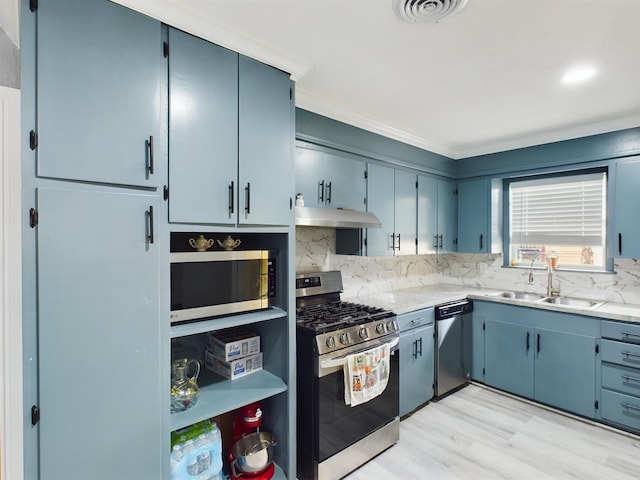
x=210, y=284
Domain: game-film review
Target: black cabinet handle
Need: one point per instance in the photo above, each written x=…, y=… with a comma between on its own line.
x=231, y=199
x=435, y=242
x=398, y=242
x=328, y=194
x=420, y=340
x=440, y=246
x=248, y=192
x=538, y=348
x=321, y=191
x=393, y=241
x=481, y=242
x=150, y=216
x=619, y=243
x=528, y=335
x=415, y=349
x=150, y=147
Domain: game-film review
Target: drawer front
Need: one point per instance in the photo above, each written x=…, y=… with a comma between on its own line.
x=625, y=380
x=410, y=320
x=622, y=353
x=621, y=409
x=627, y=332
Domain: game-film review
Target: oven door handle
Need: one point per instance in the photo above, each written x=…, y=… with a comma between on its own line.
x=341, y=360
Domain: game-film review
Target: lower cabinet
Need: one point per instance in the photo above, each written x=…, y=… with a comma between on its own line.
x=546, y=356
x=416, y=359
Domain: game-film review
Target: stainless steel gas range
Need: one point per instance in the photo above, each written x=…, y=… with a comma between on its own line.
x=334, y=438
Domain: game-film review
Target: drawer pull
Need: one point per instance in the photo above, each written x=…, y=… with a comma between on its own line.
x=630, y=379
x=630, y=407
x=627, y=334
x=629, y=354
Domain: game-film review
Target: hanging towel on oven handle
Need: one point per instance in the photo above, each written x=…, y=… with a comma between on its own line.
x=366, y=374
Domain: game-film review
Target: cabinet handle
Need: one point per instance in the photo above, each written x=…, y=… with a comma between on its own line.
x=248, y=193
x=629, y=334
x=631, y=407
x=629, y=354
x=630, y=379
x=528, y=335
x=415, y=349
x=398, y=242
x=150, y=217
x=420, y=339
x=619, y=243
x=231, y=195
x=328, y=190
x=538, y=347
x=435, y=242
x=440, y=246
x=150, y=147
x=481, y=242
x=321, y=191
x=393, y=241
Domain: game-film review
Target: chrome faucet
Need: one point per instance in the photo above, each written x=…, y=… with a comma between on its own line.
x=550, y=290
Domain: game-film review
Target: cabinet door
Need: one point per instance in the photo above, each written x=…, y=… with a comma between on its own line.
x=98, y=75
x=345, y=181
x=447, y=216
x=98, y=336
x=405, y=213
x=380, y=201
x=477, y=348
x=565, y=370
x=265, y=168
x=310, y=168
x=627, y=198
x=416, y=368
x=427, y=214
x=473, y=216
x=203, y=133
x=509, y=357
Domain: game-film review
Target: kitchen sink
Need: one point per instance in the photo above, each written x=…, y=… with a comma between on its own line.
x=572, y=302
x=519, y=296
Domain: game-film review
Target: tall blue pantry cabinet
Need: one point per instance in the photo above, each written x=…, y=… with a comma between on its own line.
x=96, y=199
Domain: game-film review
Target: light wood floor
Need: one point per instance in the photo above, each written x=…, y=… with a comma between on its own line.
x=477, y=433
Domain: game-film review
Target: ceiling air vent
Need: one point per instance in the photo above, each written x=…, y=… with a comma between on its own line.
x=426, y=10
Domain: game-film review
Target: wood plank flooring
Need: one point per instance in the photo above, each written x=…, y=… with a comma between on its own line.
x=480, y=434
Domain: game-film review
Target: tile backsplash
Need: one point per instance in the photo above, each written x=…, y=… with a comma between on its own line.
x=315, y=250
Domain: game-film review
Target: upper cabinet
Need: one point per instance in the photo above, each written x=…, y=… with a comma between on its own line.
x=330, y=180
x=98, y=98
x=473, y=216
x=391, y=196
x=230, y=137
x=627, y=197
x=437, y=215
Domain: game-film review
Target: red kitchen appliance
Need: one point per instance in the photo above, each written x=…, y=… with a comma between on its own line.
x=246, y=422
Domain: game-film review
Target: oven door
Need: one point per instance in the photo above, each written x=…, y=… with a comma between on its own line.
x=341, y=425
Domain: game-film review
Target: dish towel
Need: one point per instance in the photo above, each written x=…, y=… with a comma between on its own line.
x=366, y=375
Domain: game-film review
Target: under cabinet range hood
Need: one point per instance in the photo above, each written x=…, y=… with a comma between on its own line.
x=335, y=217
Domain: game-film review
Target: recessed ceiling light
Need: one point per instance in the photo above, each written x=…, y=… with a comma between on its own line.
x=579, y=74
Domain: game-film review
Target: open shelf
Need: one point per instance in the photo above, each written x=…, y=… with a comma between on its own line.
x=192, y=328
x=223, y=395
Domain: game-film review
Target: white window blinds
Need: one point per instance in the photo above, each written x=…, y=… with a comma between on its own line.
x=567, y=210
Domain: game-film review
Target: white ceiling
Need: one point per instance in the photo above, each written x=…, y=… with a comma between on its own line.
x=485, y=79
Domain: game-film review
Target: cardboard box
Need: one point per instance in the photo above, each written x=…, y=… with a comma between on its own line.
x=233, y=344
x=235, y=368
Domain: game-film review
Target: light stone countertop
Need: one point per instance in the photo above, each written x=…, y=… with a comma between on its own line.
x=411, y=299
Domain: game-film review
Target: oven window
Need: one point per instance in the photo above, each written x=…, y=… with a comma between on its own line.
x=203, y=284
x=341, y=425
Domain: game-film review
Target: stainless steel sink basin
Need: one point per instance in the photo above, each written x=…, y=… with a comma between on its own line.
x=572, y=302
x=520, y=296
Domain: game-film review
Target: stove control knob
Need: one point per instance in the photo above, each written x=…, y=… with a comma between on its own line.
x=331, y=342
x=380, y=328
x=344, y=338
x=364, y=333
x=391, y=326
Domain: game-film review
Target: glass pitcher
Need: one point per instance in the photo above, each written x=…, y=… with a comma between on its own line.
x=184, y=389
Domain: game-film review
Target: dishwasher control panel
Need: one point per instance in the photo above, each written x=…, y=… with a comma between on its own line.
x=452, y=309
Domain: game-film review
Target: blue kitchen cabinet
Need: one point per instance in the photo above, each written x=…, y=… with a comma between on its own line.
x=447, y=216
x=416, y=359
x=509, y=356
x=330, y=179
x=477, y=347
x=230, y=137
x=265, y=138
x=101, y=393
x=203, y=133
x=381, y=202
x=99, y=69
x=473, y=216
x=625, y=217
x=405, y=213
x=547, y=356
x=437, y=215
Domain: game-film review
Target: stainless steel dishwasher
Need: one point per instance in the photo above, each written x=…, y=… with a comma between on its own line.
x=453, y=346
